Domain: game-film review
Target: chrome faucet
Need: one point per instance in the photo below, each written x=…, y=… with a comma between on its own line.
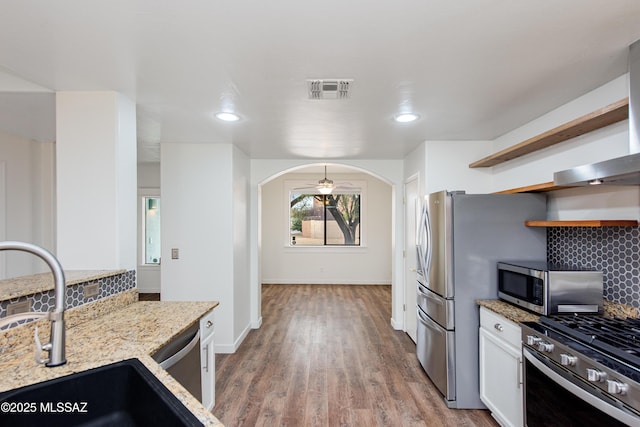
x=56, y=344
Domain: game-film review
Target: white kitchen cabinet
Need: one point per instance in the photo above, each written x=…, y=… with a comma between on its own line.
x=208, y=361
x=501, y=387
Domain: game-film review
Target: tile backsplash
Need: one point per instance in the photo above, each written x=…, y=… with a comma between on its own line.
x=75, y=294
x=614, y=250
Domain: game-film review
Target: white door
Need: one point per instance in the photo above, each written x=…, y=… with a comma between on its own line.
x=412, y=215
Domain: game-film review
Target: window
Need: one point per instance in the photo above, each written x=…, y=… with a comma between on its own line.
x=151, y=219
x=324, y=219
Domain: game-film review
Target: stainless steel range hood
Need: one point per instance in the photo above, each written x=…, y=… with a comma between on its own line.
x=621, y=170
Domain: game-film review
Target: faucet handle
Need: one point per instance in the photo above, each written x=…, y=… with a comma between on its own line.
x=40, y=348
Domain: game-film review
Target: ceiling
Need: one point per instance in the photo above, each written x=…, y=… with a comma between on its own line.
x=472, y=69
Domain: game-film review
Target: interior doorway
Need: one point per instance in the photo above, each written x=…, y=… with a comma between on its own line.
x=149, y=271
x=264, y=172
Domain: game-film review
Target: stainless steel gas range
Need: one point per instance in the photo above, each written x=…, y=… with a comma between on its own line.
x=581, y=371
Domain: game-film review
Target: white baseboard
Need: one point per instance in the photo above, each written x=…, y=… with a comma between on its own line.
x=257, y=324
x=232, y=348
x=398, y=326
x=224, y=349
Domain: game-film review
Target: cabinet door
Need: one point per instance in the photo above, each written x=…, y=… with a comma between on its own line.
x=501, y=379
x=208, y=360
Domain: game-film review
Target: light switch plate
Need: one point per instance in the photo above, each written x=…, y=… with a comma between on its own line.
x=175, y=254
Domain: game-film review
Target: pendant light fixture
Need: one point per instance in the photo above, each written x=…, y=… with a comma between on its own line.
x=325, y=186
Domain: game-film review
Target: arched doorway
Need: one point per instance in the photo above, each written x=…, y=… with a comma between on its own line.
x=268, y=181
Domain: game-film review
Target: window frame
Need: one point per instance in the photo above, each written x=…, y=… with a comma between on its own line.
x=289, y=186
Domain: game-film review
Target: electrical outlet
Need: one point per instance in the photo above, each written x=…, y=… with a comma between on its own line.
x=19, y=307
x=91, y=290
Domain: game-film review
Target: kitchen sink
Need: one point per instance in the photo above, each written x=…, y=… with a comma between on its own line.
x=120, y=394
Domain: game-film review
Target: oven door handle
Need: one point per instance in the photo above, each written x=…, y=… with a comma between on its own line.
x=583, y=395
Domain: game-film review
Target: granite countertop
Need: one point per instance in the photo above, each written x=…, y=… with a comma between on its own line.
x=129, y=330
x=517, y=314
x=29, y=285
x=510, y=311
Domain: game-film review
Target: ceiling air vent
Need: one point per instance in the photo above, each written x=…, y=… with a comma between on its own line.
x=329, y=88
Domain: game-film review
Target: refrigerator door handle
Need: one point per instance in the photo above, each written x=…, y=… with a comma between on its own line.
x=428, y=242
x=420, y=260
x=430, y=323
x=420, y=242
x=429, y=297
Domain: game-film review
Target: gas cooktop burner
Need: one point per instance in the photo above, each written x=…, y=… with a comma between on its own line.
x=617, y=337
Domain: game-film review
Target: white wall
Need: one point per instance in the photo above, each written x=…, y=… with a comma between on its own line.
x=96, y=180
x=27, y=210
x=126, y=182
x=241, y=251
x=44, y=219
x=149, y=175
x=368, y=264
x=202, y=199
x=445, y=166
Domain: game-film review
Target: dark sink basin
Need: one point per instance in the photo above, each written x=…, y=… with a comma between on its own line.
x=120, y=394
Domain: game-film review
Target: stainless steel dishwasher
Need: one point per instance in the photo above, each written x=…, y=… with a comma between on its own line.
x=181, y=359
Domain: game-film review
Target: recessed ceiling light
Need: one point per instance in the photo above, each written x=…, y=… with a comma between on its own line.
x=406, y=117
x=228, y=117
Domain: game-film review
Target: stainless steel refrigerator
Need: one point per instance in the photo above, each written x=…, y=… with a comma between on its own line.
x=460, y=240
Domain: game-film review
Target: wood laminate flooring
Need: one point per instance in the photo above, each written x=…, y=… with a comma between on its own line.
x=148, y=297
x=326, y=355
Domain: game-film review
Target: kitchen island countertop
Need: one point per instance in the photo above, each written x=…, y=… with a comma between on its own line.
x=129, y=330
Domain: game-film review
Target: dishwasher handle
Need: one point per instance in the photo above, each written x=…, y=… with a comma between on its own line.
x=175, y=358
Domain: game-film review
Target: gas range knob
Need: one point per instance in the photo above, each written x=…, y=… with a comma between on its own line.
x=533, y=340
x=546, y=347
x=616, y=387
x=596, y=376
x=568, y=360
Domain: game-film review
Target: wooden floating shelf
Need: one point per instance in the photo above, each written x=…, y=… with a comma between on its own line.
x=537, y=188
x=583, y=223
x=603, y=117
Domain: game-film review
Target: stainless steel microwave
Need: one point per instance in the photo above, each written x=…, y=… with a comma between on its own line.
x=548, y=289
